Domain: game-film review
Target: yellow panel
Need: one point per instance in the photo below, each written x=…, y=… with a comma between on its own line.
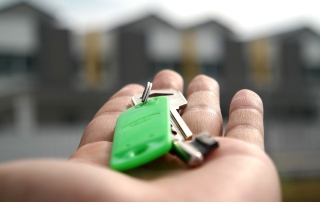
x=260, y=60
x=190, y=68
x=93, y=60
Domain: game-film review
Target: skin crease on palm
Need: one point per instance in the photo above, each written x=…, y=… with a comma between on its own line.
x=239, y=170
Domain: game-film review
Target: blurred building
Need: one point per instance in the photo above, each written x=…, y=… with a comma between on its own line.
x=282, y=68
x=32, y=51
x=40, y=79
x=285, y=65
x=136, y=50
x=213, y=49
x=51, y=78
x=284, y=71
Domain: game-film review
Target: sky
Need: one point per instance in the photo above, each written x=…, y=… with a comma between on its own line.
x=247, y=17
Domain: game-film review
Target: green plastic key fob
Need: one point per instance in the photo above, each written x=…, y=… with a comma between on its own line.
x=142, y=134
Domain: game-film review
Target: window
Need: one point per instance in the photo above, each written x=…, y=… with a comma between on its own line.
x=12, y=64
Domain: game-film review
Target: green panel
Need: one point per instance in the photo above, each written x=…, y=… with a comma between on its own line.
x=142, y=134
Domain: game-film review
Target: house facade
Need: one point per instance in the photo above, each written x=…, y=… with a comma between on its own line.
x=51, y=76
x=38, y=73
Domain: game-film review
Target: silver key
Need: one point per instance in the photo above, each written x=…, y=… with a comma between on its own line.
x=179, y=130
x=146, y=93
x=193, y=152
x=180, y=126
x=187, y=153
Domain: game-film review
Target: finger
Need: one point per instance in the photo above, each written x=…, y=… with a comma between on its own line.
x=102, y=126
x=246, y=118
x=203, y=111
x=168, y=79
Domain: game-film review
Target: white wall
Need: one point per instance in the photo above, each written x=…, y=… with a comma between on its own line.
x=209, y=44
x=164, y=43
x=18, y=33
x=311, y=50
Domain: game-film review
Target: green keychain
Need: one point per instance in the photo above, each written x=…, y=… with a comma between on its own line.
x=142, y=134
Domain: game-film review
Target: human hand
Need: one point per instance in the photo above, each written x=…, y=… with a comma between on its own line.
x=239, y=170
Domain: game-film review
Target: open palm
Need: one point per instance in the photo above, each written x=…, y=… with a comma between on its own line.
x=238, y=171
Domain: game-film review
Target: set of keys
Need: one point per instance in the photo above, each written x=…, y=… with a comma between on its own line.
x=154, y=127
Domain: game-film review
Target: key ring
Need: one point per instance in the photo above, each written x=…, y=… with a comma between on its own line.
x=146, y=92
x=145, y=132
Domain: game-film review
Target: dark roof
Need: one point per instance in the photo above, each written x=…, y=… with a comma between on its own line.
x=27, y=5
x=148, y=17
x=297, y=31
x=213, y=23
x=288, y=33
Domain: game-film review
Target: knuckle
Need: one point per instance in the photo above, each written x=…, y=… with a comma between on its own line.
x=244, y=128
x=204, y=120
x=204, y=98
x=203, y=108
x=248, y=119
x=246, y=115
x=246, y=99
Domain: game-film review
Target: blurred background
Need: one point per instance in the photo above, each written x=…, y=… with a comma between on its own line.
x=60, y=61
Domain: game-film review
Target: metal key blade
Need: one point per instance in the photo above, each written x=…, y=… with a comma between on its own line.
x=175, y=132
x=180, y=130
x=187, y=152
x=179, y=124
x=193, y=153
